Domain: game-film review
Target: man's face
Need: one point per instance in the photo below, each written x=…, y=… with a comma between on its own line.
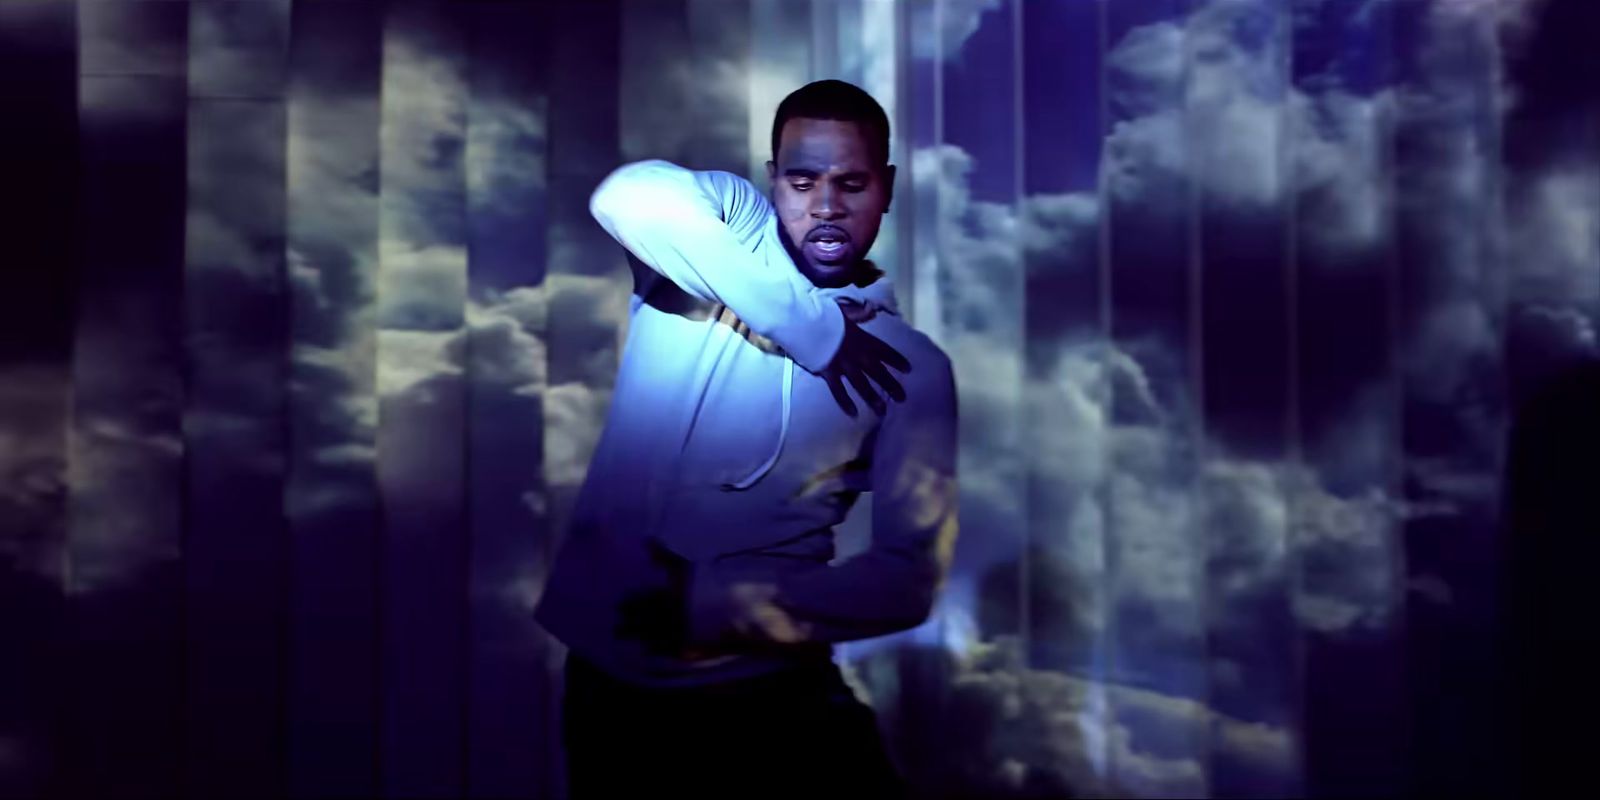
x=830, y=196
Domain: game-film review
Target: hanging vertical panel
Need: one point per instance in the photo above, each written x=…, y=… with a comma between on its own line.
x=421, y=297
x=1156, y=558
x=588, y=285
x=877, y=42
x=126, y=530
x=826, y=60
x=1067, y=390
x=977, y=170
x=335, y=63
x=846, y=17
x=1346, y=401
x=513, y=731
x=908, y=677
x=587, y=282
x=127, y=511
x=39, y=78
x=656, y=73
x=1451, y=296
x=780, y=62
x=1552, y=217
x=720, y=57
x=922, y=24
x=980, y=291
x=1237, y=122
x=235, y=561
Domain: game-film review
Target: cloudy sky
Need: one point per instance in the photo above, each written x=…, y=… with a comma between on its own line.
x=1237, y=294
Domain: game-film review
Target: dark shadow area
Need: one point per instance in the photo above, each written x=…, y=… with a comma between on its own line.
x=31, y=615
x=1552, y=66
x=122, y=702
x=1550, y=643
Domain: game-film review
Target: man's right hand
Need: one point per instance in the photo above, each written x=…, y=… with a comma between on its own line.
x=864, y=359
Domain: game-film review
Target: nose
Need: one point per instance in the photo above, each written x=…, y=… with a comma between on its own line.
x=826, y=205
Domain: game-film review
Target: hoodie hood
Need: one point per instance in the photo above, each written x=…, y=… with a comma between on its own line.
x=878, y=295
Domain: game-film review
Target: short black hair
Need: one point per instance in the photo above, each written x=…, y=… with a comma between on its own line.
x=836, y=100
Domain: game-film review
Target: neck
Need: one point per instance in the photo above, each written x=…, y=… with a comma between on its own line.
x=860, y=274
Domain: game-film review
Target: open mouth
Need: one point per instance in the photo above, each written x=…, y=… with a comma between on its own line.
x=828, y=243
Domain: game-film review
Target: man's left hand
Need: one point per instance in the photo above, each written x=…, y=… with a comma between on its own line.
x=862, y=360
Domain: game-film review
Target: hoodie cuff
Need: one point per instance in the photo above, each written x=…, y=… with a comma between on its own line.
x=709, y=608
x=813, y=343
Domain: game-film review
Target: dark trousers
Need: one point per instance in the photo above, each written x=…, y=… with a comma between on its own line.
x=790, y=735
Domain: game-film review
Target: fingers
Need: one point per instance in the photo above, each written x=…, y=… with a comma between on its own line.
x=873, y=349
x=762, y=617
x=840, y=396
x=890, y=356
x=858, y=379
x=865, y=359
x=881, y=375
x=779, y=626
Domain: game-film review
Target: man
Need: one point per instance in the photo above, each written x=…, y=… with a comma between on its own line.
x=695, y=590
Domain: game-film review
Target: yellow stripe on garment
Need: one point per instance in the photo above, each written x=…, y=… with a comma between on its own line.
x=726, y=316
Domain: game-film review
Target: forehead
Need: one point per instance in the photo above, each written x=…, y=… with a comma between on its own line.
x=823, y=144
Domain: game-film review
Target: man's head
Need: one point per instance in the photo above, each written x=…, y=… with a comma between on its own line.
x=831, y=177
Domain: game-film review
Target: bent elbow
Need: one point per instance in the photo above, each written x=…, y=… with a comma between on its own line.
x=606, y=200
x=916, y=600
x=599, y=207
x=624, y=188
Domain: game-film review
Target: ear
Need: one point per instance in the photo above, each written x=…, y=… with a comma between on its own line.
x=888, y=187
x=772, y=171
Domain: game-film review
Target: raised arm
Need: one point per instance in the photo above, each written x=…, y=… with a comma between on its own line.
x=892, y=585
x=700, y=230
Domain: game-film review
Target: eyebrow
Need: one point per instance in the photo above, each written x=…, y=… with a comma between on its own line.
x=804, y=172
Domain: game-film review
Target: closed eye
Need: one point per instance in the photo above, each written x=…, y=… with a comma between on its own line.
x=802, y=186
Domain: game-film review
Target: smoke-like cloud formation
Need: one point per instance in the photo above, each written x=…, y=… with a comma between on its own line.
x=1290, y=546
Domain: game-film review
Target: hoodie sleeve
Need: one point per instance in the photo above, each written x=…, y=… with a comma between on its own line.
x=700, y=230
x=892, y=585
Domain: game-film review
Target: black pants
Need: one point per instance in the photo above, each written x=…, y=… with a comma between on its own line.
x=790, y=735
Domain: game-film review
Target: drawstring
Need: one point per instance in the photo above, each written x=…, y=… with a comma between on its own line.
x=882, y=298
x=783, y=434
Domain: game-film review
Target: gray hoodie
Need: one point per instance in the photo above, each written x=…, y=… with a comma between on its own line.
x=724, y=442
